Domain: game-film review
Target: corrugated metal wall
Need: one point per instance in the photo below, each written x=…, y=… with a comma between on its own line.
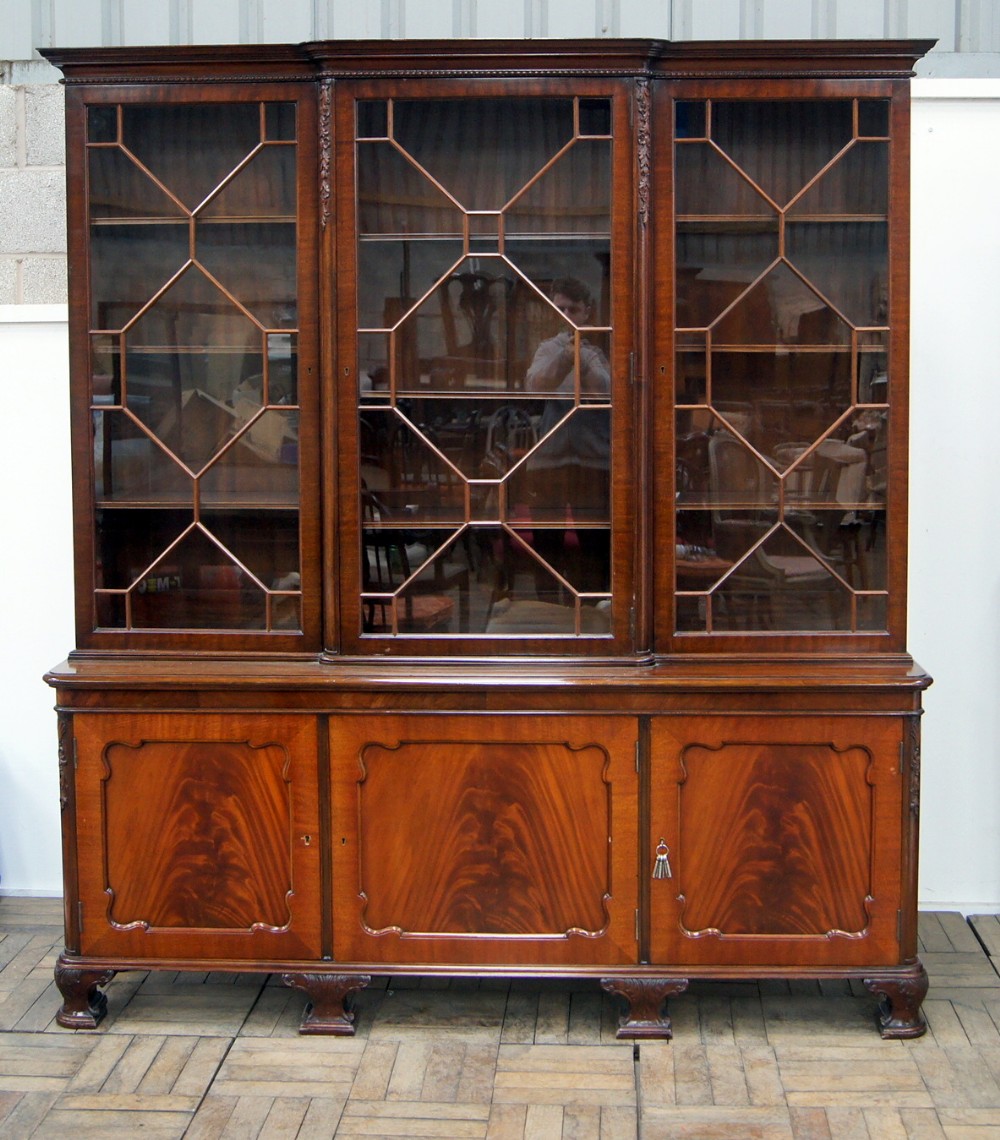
x=964, y=27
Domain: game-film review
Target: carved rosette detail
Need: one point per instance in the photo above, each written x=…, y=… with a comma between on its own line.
x=64, y=722
x=914, y=747
x=325, y=143
x=643, y=100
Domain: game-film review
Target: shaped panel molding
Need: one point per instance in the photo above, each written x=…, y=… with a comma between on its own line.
x=206, y=843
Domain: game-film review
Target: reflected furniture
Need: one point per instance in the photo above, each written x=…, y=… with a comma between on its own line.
x=490, y=518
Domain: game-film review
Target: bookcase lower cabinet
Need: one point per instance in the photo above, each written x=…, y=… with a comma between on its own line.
x=636, y=849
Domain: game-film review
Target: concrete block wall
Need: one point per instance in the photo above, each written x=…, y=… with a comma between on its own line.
x=32, y=186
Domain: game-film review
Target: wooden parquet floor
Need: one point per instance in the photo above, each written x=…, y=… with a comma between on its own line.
x=219, y=1056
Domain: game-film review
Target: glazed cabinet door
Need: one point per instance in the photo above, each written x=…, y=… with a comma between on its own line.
x=485, y=839
x=197, y=835
x=194, y=365
x=485, y=324
x=783, y=840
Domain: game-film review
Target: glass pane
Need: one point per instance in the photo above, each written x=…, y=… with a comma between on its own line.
x=782, y=308
x=691, y=376
x=520, y=135
x=595, y=116
x=857, y=183
x=716, y=264
x=846, y=262
x=254, y=263
x=373, y=118
x=260, y=464
x=873, y=118
x=131, y=466
x=279, y=122
x=102, y=124
x=483, y=318
x=775, y=399
x=195, y=421
x=263, y=187
x=129, y=264
x=782, y=145
x=120, y=189
x=396, y=197
x=196, y=585
x=407, y=475
x=192, y=147
x=572, y=195
x=689, y=120
x=873, y=369
x=780, y=462
x=708, y=184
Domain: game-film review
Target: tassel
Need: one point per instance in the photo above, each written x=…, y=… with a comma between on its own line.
x=661, y=867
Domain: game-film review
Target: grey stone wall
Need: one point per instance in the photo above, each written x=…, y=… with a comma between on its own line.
x=32, y=186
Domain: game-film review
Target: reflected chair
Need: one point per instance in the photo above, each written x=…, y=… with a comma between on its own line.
x=744, y=512
x=391, y=556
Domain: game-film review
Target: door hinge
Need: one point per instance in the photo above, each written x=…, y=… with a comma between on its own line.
x=76, y=754
x=79, y=917
x=637, y=932
x=638, y=753
x=899, y=926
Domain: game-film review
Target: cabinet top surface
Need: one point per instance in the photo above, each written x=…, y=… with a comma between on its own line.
x=852, y=58
x=678, y=674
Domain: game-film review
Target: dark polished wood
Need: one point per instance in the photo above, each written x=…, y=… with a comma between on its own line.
x=84, y=1003
x=329, y=1011
x=900, y=998
x=646, y=1017
x=345, y=698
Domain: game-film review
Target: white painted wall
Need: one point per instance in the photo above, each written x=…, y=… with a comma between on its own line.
x=955, y=538
x=955, y=484
x=36, y=589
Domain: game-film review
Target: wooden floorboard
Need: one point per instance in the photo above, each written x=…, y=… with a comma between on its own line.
x=215, y=1056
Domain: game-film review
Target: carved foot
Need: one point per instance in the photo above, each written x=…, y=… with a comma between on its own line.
x=328, y=1011
x=646, y=1016
x=900, y=998
x=84, y=1005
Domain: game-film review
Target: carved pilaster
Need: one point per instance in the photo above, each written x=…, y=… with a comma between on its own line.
x=325, y=145
x=643, y=99
x=65, y=746
x=914, y=765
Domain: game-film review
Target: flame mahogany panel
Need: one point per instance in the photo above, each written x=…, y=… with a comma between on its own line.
x=497, y=839
x=208, y=833
x=785, y=839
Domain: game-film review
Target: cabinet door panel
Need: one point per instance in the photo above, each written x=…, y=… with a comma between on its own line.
x=785, y=840
x=485, y=839
x=198, y=835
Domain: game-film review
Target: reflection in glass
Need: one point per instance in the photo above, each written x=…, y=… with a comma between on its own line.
x=195, y=422
x=848, y=263
x=716, y=264
x=780, y=462
x=782, y=144
x=484, y=348
x=512, y=140
x=191, y=147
